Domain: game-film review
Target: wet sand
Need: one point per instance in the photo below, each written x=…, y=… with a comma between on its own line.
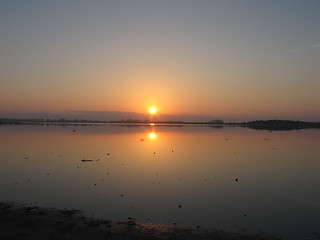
x=28, y=222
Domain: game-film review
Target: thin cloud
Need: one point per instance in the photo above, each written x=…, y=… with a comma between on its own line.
x=304, y=48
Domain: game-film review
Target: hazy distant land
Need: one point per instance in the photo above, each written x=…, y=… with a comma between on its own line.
x=272, y=125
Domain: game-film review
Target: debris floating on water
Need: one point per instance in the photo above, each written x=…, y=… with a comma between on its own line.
x=86, y=160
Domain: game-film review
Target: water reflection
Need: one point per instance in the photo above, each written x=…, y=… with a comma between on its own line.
x=192, y=167
x=152, y=135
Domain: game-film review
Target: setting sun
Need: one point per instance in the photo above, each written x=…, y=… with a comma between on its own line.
x=153, y=110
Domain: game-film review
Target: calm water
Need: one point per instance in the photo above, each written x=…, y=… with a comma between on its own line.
x=230, y=178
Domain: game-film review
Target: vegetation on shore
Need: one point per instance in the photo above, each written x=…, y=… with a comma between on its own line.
x=274, y=125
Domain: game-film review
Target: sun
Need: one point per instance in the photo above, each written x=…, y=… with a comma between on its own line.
x=152, y=110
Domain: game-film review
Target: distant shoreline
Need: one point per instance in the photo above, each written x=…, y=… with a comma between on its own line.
x=271, y=125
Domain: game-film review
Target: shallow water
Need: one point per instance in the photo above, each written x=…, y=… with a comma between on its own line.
x=231, y=178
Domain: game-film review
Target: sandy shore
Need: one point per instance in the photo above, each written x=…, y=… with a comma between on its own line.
x=25, y=222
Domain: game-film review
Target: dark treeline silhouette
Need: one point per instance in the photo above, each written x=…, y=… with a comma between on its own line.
x=276, y=125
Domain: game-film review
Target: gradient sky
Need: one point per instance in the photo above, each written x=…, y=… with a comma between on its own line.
x=242, y=59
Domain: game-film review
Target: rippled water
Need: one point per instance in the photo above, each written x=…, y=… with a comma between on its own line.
x=231, y=178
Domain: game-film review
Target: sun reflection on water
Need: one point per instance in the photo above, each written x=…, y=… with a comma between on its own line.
x=152, y=135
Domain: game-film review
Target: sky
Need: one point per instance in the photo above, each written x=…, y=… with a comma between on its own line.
x=226, y=59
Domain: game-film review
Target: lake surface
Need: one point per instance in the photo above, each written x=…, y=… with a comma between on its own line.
x=227, y=178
